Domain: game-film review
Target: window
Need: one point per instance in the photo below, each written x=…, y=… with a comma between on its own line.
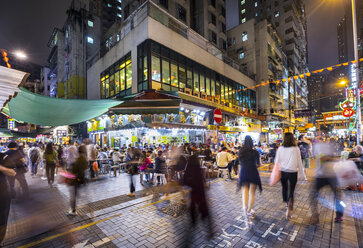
x=256, y=4
x=243, y=11
x=182, y=77
x=128, y=74
x=189, y=79
x=213, y=19
x=244, y=36
x=155, y=68
x=243, y=20
x=174, y=74
x=256, y=14
x=289, y=19
x=119, y=1
x=182, y=13
x=241, y=55
x=224, y=45
x=164, y=3
x=90, y=23
x=234, y=41
x=214, y=37
x=277, y=13
x=90, y=40
x=207, y=86
x=196, y=81
x=119, y=7
x=165, y=72
x=289, y=30
x=213, y=3
x=243, y=2
x=202, y=83
x=127, y=11
x=223, y=12
x=223, y=26
x=109, y=5
x=119, y=15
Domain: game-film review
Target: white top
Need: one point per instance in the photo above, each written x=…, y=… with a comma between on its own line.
x=289, y=159
x=223, y=158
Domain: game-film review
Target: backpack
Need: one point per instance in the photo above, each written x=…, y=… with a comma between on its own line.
x=304, y=151
x=34, y=155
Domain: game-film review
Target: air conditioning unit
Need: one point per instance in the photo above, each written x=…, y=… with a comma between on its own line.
x=188, y=91
x=203, y=95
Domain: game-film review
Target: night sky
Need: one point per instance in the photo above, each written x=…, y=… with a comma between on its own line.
x=28, y=24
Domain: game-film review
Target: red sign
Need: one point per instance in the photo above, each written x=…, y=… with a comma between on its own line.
x=217, y=115
x=348, y=112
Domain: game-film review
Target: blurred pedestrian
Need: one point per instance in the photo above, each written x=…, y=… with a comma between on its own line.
x=14, y=159
x=249, y=177
x=305, y=148
x=34, y=159
x=326, y=176
x=289, y=159
x=193, y=177
x=92, y=154
x=5, y=196
x=132, y=160
x=51, y=159
x=78, y=168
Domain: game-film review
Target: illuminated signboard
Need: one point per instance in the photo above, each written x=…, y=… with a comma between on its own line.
x=11, y=124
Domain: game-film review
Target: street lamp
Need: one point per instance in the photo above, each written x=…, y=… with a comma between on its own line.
x=343, y=82
x=20, y=54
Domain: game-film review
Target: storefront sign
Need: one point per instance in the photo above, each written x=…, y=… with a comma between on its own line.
x=309, y=125
x=264, y=130
x=223, y=128
x=11, y=124
x=218, y=116
x=254, y=128
x=348, y=112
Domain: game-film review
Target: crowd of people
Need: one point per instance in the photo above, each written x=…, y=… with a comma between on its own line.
x=78, y=163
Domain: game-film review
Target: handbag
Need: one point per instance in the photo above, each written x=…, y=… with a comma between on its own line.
x=275, y=175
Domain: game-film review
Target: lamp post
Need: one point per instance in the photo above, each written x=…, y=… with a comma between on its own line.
x=355, y=44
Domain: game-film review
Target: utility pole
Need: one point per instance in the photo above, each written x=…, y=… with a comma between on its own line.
x=355, y=44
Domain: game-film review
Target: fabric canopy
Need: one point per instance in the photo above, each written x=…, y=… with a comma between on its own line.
x=48, y=111
x=9, y=81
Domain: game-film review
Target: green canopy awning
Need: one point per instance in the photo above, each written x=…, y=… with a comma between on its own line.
x=48, y=111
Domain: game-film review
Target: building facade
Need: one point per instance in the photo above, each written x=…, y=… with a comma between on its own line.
x=76, y=46
x=257, y=47
x=159, y=59
x=288, y=18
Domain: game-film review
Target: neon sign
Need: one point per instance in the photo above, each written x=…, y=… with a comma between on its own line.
x=347, y=104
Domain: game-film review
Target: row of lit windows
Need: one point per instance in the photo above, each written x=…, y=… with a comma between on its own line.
x=171, y=72
x=117, y=79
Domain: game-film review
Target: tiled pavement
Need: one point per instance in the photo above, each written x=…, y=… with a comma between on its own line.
x=108, y=218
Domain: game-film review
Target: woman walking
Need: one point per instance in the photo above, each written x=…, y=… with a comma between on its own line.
x=78, y=169
x=249, y=177
x=289, y=159
x=51, y=158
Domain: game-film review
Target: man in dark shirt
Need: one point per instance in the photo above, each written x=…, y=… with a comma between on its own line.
x=15, y=159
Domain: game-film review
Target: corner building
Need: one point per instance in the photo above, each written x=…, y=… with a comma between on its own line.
x=166, y=67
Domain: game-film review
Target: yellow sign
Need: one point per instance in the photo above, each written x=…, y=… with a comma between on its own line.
x=223, y=128
x=212, y=127
x=264, y=130
x=254, y=128
x=301, y=128
x=309, y=125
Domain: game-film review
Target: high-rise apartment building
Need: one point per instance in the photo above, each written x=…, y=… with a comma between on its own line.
x=288, y=18
x=257, y=48
x=77, y=44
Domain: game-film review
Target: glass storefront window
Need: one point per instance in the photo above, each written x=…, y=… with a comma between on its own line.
x=196, y=81
x=202, y=83
x=112, y=85
x=155, y=68
x=189, y=79
x=222, y=92
x=128, y=76
x=145, y=68
x=117, y=78
x=107, y=84
x=122, y=79
x=166, y=72
x=117, y=82
x=174, y=74
x=218, y=89
x=182, y=77
x=213, y=87
x=207, y=86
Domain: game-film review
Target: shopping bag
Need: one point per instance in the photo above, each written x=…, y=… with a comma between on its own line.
x=275, y=175
x=66, y=177
x=347, y=173
x=95, y=166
